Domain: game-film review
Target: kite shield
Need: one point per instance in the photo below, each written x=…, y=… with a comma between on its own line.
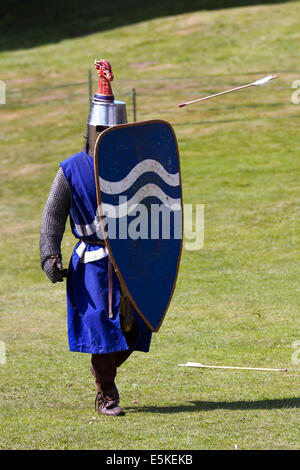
x=139, y=198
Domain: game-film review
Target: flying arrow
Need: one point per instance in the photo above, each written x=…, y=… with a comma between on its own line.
x=260, y=82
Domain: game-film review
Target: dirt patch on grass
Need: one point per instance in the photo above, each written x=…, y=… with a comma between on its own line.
x=143, y=65
x=186, y=31
x=182, y=84
x=20, y=81
x=9, y=229
x=189, y=24
x=4, y=172
x=57, y=94
x=8, y=115
x=30, y=169
x=186, y=21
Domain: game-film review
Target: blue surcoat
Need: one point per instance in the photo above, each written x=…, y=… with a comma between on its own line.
x=90, y=329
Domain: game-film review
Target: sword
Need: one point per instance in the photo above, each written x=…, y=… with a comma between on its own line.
x=260, y=82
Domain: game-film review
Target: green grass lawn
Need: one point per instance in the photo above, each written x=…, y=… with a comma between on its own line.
x=236, y=300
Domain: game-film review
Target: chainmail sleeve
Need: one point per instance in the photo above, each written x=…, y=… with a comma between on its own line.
x=54, y=218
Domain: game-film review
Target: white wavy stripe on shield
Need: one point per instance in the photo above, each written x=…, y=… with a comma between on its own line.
x=117, y=187
x=148, y=190
x=121, y=210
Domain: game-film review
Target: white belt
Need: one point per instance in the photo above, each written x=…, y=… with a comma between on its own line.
x=89, y=256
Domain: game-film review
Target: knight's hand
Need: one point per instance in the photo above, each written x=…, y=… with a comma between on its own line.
x=54, y=269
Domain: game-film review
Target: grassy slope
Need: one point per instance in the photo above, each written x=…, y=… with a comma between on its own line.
x=236, y=301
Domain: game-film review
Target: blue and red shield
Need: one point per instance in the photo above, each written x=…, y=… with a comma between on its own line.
x=140, y=206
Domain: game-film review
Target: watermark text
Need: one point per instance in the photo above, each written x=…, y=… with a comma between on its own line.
x=2, y=353
x=2, y=92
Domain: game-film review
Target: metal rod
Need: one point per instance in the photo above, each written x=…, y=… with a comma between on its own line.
x=134, y=104
x=90, y=84
x=197, y=364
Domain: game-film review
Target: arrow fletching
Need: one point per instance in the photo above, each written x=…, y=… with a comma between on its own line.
x=262, y=81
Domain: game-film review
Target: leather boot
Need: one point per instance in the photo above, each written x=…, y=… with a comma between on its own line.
x=107, y=402
x=104, y=370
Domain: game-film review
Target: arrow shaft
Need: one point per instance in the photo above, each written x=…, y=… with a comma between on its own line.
x=231, y=367
x=218, y=94
x=243, y=368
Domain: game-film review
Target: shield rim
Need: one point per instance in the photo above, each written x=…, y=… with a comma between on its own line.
x=99, y=208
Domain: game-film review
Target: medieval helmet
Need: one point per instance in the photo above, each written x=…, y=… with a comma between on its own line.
x=105, y=110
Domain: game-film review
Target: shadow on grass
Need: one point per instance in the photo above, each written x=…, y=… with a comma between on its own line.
x=191, y=406
x=30, y=24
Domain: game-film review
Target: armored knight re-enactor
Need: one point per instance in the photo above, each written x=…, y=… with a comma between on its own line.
x=101, y=319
